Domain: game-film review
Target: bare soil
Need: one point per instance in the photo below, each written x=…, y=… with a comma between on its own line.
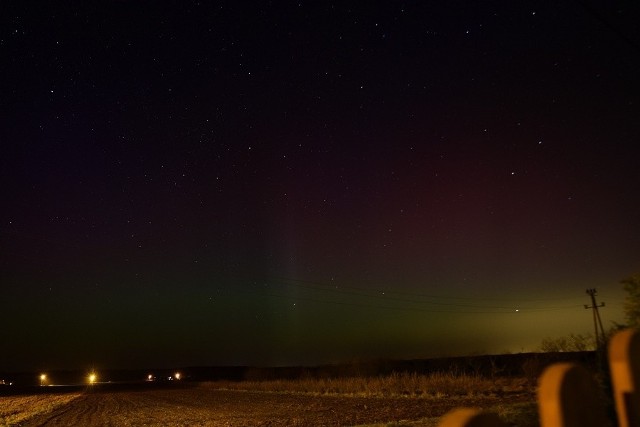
x=201, y=406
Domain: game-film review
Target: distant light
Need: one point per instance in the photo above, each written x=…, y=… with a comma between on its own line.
x=92, y=378
x=149, y=377
x=177, y=375
x=517, y=310
x=43, y=379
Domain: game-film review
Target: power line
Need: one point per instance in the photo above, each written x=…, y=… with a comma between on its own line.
x=609, y=24
x=399, y=308
x=413, y=305
x=383, y=296
x=600, y=339
x=378, y=291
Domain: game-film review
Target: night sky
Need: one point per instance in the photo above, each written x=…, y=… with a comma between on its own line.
x=227, y=183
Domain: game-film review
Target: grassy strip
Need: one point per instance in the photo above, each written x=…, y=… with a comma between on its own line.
x=16, y=409
x=394, y=385
x=514, y=414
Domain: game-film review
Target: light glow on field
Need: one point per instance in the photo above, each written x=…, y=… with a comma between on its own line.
x=17, y=409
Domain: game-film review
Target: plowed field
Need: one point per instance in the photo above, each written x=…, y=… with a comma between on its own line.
x=201, y=406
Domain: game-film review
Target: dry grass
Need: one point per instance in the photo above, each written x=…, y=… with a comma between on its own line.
x=394, y=385
x=513, y=414
x=16, y=409
x=439, y=386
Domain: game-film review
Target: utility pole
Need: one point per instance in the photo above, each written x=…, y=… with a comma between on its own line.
x=596, y=318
